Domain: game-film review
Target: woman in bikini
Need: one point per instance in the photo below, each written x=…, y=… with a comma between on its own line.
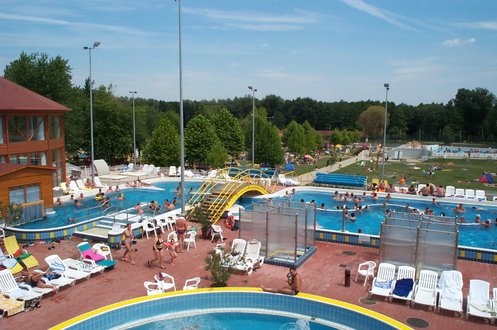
x=157, y=248
x=35, y=279
x=128, y=236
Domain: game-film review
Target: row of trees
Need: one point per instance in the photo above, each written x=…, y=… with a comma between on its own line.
x=223, y=127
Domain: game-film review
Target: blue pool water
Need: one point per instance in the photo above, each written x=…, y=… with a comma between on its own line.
x=131, y=197
x=232, y=320
x=369, y=221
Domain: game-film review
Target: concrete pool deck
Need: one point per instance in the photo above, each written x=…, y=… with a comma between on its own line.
x=322, y=275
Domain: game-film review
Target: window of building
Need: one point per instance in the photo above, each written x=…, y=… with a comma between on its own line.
x=25, y=194
x=17, y=129
x=36, y=128
x=55, y=132
x=57, y=163
x=18, y=159
x=43, y=158
x=1, y=130
x=34, y=159
x=3, y=159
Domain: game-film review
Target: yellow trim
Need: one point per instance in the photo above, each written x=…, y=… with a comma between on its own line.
x=478, y=255
x=373, y=242
x=321, y=235
x=23, y=235
x=347, y=238
x=52, y=234
x=495, y=257
x=463, y=253
x=333, y=237
x=361, y=310
x=37, y=236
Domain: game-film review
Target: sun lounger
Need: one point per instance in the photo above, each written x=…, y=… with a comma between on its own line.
x=18, y=291
x=425, y=292
x=9, y=262
x=9, y=307
x=450, y=288
x=23, y=256
x=382, y=283
x=103, y=170
x=65, y=189
x=57, y=265
x=479, y=303
x=450, y=191
x=251, y=259
x=403, y=287
x=480, y=195
x=470, y=194
x=172, y=171
x=459, y=193
x=85, y=265
x=88, y=253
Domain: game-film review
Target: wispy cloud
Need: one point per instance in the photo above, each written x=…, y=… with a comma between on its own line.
x=256, y=21
x=414, y=69
x=482, y=25
x=51, y=21
x=377, y=12
x=456, y=42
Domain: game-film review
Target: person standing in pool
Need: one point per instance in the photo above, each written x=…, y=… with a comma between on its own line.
x=294, y=284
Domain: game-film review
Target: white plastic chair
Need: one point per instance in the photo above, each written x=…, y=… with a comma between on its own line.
x=172, y=171
x=450, y=288
x=480, y=195
x=382, y=283
x=172, y=235
x=103, y=249
x=217, y=231
x=57, y=265
x=148, y=227
x=191, y=283
x=404, y=273
x=470, y=194
x=190, y=239
x=252, y=258
x=160, y=285
x=450, y=191
x=171, y=222
x=425, y=292
x=459, y=193
x=366, y=269
x=479, y=303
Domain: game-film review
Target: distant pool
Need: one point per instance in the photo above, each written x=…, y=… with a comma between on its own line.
x=131, y=197
x=369, y=221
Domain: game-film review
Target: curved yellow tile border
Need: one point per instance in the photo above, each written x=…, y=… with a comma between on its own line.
x=334, y=302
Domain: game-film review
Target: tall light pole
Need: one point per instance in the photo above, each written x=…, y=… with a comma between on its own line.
x=134, y=130
x=387, y=87
x=89, y=49
x=181, y=130
x=253, y=122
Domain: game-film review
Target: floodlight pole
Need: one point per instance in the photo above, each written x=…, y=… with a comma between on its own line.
x=134, y=130
x=89, y=49
x=181, y=119
x=387, y=87
x=253, y=122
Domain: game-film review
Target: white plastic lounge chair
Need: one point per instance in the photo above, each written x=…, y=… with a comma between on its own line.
x=459, y=193
x=480, y=195
x=18, y=291
x=163, y=282
x=191, y=283
x=145, y=168
x=479, y=303
x=62, y=281
x=172, y=171
x=58, y=266
x=450, y=191
x=98, y=183
x=81, y=185
x=403, y=287
x=74, y=187
x=251, y=259
x=366, y=269
x=420, y=187
x=450, y=288
x=85, y=265
x=103, y=250
x=217, y=231
x=65, y=189
x=190, y=239
x=237, y=252
x=425, y=292
x=470, y=194
x=382, y=283
x=212, y=174
x=151, y=169
x=287, y=181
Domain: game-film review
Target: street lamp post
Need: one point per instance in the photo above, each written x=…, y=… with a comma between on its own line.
x=181, y=129
x=253, y=122
x=387, y=87
x=134, y=130
x=89, y=49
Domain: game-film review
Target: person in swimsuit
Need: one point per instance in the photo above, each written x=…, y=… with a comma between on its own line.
x=181, y=226
x=294, y=284
x=35, y=279
x=128, y=236
x=157, y=248
x=173, y=247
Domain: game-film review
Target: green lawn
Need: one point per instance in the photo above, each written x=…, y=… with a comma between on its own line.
x=460, y=173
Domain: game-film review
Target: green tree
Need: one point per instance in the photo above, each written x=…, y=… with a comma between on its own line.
x=217, y=155
x=162, y=149
x=335, y=137
x=229, y=131
x=50, y=77
x=267, y=142
x=200, y=136
x=372, y=121
x=294, y=138
x=311, y=137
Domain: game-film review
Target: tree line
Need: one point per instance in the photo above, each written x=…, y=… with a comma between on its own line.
x=220, y=129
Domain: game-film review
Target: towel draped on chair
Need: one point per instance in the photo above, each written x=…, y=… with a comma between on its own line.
x=403, y=287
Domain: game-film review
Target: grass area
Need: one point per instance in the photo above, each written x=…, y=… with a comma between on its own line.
x=460, y=173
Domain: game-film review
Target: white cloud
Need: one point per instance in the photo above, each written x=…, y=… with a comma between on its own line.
x=483, y=25
x=377, y=12
x=456, y=42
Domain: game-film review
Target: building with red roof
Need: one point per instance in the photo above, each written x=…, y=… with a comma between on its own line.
x=31, y=145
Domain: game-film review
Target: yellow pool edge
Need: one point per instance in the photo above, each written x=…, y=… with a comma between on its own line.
x=358, y=309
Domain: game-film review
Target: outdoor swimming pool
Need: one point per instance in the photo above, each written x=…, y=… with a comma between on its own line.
x=369, y=221
x=167, y=190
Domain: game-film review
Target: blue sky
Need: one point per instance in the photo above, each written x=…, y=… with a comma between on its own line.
x=328, y=50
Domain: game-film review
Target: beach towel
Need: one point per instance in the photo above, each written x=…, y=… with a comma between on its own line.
x=57, y=267
x=384, y=284
x=403, y=287
x=10, y=307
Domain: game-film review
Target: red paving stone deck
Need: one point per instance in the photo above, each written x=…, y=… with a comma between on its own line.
x=322, y=275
